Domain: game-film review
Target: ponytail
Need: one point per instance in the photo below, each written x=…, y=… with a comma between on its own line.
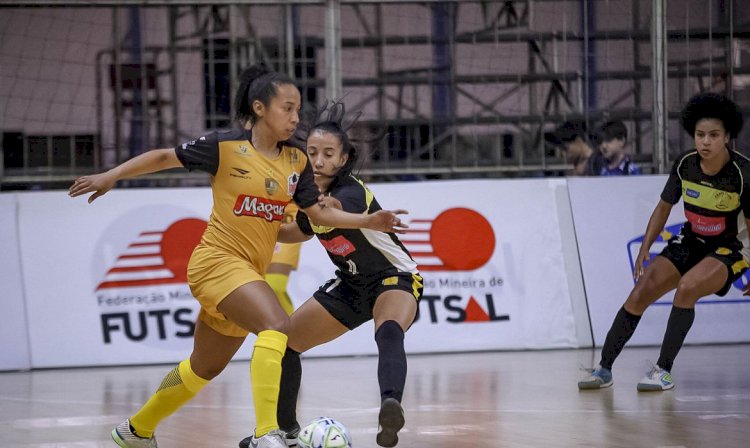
x=257, y=83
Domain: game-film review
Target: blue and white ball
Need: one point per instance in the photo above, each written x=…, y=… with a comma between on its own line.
x=324, y=432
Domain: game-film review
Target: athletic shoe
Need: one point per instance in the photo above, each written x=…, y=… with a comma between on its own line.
x=599, y=378
x=124, y=436
x=274, y=439
x=657, y=379
x=391, y=420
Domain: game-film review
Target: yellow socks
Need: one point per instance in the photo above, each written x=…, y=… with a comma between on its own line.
x=265, y=374
x=278, y=283
x=177, y=388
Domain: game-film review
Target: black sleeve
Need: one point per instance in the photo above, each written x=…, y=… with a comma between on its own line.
x=673, y=188
x=306, y=193
x=201, y=154
x=353, y=197
x=304, y=223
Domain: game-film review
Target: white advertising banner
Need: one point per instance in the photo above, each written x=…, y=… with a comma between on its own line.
x=14, y=339
x=492, y=260
x=610, y=217
x=105, y=282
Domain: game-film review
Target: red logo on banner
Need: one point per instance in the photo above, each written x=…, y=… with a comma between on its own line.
x=458, y=239
x=156, y=257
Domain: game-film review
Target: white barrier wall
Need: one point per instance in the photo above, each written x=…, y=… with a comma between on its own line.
x=491, y=254
x=610, y=217
x=104, y=282
x=14, y=341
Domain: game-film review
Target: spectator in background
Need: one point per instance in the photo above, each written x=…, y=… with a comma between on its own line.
x=573, y=137
x=613, y=159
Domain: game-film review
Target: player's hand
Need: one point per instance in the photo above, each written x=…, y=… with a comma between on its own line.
x=746, y=290
x=329, y=201
x=99, y=184
x=640, y=260
x=387, y=221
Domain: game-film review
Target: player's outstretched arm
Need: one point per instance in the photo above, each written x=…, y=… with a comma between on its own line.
x=148, y=162
x=382, y=220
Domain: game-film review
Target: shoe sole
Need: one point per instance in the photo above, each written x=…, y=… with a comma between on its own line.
x=594, y=385
x=291, y=443
x=653, y=387
x=117, y=439
x=391, y=420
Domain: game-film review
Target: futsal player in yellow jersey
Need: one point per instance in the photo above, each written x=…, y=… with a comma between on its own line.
x=285, y=260
x=255, y=172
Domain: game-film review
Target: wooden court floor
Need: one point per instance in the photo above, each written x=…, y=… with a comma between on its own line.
x=505, y=399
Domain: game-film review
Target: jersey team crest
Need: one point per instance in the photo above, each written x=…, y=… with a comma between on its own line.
x=292, y=183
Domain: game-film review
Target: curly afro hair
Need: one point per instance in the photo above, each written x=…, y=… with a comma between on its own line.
x=712, y=105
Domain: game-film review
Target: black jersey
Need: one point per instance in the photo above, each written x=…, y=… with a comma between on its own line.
x=714, y=205
x=359, y=252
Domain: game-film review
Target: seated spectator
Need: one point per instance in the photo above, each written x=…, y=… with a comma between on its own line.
x=613, y=159
x=574, y=139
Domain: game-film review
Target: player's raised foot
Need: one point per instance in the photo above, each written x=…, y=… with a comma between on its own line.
x=274, y=439
x=390, y=420
x=599, y=378
x=125, y=436
x=656, y=380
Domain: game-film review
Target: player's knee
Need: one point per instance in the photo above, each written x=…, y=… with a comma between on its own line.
x=639, y=299
x=277, y=323
x=208, y=370
x=686, y=293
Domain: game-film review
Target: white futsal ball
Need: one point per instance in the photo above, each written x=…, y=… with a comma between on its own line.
x=324, y=432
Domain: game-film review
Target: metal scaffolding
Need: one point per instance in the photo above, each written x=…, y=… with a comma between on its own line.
x=139, y=104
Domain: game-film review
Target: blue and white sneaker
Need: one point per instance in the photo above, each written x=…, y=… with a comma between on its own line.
x=124, y=436
x=657, y=379
x=598, y=379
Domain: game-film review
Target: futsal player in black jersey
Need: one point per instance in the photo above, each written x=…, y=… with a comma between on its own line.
x=376, y=279
x=707, y=256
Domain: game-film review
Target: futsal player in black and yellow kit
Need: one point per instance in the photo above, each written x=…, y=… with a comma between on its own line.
x=285, y=260
x=255, y=173
x=707, y=256
x=376, y=279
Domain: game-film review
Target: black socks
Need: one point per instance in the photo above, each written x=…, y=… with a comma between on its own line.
x=680, y=321
x=291, y=376
x=619, y=334
x=391, y=360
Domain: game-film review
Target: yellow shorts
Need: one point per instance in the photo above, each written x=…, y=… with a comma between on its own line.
x=287, y=254
x=213, y=274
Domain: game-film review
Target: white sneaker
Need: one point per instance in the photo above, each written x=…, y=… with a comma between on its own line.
x=289, y=436
x=124, y=436
x=657, y=379
x=274, y=439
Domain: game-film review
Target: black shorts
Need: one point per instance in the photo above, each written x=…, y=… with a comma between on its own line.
x=686, y=251
x=351, y=301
